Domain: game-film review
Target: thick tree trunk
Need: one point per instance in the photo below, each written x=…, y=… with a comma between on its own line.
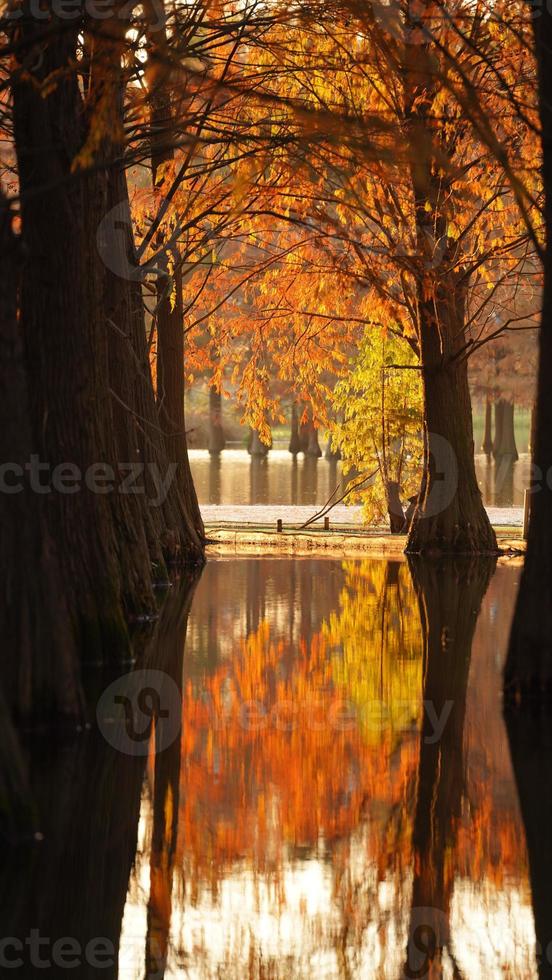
x=41, y=675
x=217, y=440
x=65, y=334
x=505, y=442
x=450, y=518
x=450, y=596
x=487, y=445
x=528, y=671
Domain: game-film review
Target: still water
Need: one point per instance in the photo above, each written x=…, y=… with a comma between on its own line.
x=236, y=478
x=341, y=789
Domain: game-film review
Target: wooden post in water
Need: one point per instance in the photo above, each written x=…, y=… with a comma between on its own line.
x=279, y=525
x=326, y=523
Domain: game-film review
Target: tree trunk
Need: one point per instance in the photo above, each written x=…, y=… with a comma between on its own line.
x=65, y=332
x=528, y=671
x=394, y=507
x=295, y=439
x=169, y=310
x=487, y=445
x=313, y=446
x=256, y=447
x=217, y=440
x=450, y=518
x=505, y=441
x=41, y=676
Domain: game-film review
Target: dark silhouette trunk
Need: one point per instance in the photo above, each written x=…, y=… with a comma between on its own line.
x=530, y=738
x=295, y=445
x=528, y=670
x=487, y=445
x=450, y=595
x=450, y=518
x=505, y=439
x=169, y=314
x=65, y=336
x=313, y=446
x=41, y=675
x=217, y=440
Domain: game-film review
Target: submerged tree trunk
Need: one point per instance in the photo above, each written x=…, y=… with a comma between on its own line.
x=450, y=518
x=295, y=438
x=217, y=440
x=256, y=446
x=499, y=423
x=528, y=671
x=487, y=444
x=505, y=440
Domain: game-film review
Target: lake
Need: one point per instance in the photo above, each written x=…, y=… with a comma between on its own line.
x=339, y=781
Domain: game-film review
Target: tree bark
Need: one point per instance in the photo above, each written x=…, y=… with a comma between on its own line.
x=41, y=676
x=528, y=670
x=450, y=517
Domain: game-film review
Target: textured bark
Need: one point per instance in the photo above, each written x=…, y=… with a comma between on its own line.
x=65, y=333
x=442, y=525
x=450, y=517
x=40, y=675
x=528, y=671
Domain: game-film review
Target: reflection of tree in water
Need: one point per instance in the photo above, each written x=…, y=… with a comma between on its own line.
x=450, y=595
x=299, y=776
x=74, y=883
